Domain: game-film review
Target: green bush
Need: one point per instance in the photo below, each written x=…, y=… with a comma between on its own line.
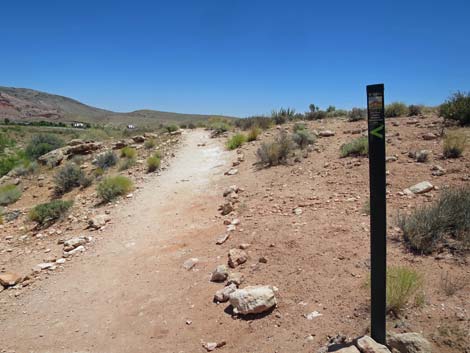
x=357, y=114
x=261, y=122
x=5, y=142
x=402, y=285
x=126, y=164
x=25, y=168
x=112, y=187
x=454, y=144
x=414, y=110
x=457, y=108
x=68, y=177
x=153, y=163
x=128, y=152
x=150, y=143
x=9, y=194
x=40, y=144
x=171, y=128
x=253, y=133
x=50, y=211
x=275, y=152
x=219, y=127
x=303, y=138
x=357, y=147
x=106, y=160
x=236, y=141
x=444, y=223
x=396, y=109
x=283, y=115
x=299, y=126
x=191, y=126
x=9, y=162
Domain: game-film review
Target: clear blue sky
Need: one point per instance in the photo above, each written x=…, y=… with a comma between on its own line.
x=235, y=57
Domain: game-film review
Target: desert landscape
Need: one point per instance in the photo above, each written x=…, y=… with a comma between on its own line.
x=213, y=233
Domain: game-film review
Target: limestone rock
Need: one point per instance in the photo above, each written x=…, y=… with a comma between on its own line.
x=53, y=158
x=429, y=136
x=190, y=263
x=74, y=243
x=350, y=349
x=8, y=279
x=253, y=299
x=226, y=208
x=235, y=278
x=368, y=345
x=138, y=139
x=220, y=274
x=222, y=238
x=421, y=187
x=326, y=133
x=223, y=295
x=98, y=221
x=409, y=343
x=236, y=257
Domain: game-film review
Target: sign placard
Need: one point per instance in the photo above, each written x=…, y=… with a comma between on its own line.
x=378, y=218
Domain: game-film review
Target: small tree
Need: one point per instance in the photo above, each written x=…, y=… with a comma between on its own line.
x=457, y=108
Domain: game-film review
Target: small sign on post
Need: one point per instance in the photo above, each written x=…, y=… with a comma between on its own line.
x=378, y=218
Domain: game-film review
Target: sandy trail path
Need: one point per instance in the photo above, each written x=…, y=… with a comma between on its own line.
x=128, y=292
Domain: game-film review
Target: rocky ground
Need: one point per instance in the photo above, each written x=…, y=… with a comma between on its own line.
x=291, y=242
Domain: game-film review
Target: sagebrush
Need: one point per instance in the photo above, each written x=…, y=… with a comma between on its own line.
x=9, y=194
x=50, y=211
x=112, y=187
x=357, y=147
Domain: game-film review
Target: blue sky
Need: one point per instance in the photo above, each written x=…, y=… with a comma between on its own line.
x=235, y=57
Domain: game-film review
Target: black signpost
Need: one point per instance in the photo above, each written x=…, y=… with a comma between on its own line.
x=378, y=247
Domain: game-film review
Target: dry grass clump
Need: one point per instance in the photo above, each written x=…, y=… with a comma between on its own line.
x=454, y=144
x=275, y=152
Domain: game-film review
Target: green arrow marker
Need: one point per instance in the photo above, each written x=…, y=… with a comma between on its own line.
x=376, y=133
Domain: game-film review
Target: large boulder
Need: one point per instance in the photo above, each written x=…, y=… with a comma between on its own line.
x=83, y=148
x=409, y=342
x=253, y=299
x=421, y=188
x=53, y=158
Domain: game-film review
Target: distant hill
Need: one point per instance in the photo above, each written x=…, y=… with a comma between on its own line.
x=22, y=104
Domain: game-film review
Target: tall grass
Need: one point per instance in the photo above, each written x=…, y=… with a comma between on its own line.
x=454, y=144
x=357, y=147
x=236, y=141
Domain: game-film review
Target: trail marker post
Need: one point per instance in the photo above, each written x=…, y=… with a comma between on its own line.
x=378, y=218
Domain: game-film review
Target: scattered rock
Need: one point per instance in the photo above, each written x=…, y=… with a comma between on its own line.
x=368, y=345
x=43, y=266
x=98, y=221
x=220, y=274
x=190, y=263
x=223, y=295
x=244, y=246
x=421, y=188
x=422, y=156
x=349, y=349
x=8, y=279
x=429, y=136
x=312, y=315
x=138, y=139
x=437, y=170
x=253, y=299
x=222, y=238
x=236, y=257
x=74, y=243
x=409, y=342
x=326, y=133
x=72, y=252
x=232, y=171
x=226, y=208
x=298, y=211
x=235, y=278
x=210, y=346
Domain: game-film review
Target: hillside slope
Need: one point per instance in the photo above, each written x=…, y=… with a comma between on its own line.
x=30, y=105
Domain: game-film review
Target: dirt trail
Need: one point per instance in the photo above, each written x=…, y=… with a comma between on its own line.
x=128, y=292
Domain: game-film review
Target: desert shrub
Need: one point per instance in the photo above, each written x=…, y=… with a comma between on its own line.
x=219, y=127
x=253, y=133
x=396, y=109
x=5, y=142
x=457, y=108
x=283, y=115
x=275, y=152
x=41, y=144
x=68, y=177
x=25, y=168
x=316, y=115
x=106, y=160
x=303, y=138
x=454, y=144
x=183, y=126
x=112, y=187
x=357, y=147
x=98, y=172
x=171, y=128
x=357, y=114
x=414, y=110
x=128, y=152
x=261, y=122
x=451, y=285
x=150, y=143
x=50, y=211
x=126, y=163
x=299, y=126
x=9, y=194
x=402, y=285
x=191, y=126
x=446, y=221
x=10, y=161
x=153, y=163
x=236, y=141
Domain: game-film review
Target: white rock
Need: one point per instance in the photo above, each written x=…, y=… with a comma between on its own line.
x=223, y=295
x=190, y=263
x=72, y=252
x=253, y=299
x=222, y=238
x=367, y=344
x=421, y=188
x=312, y=315
x=410, y=342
